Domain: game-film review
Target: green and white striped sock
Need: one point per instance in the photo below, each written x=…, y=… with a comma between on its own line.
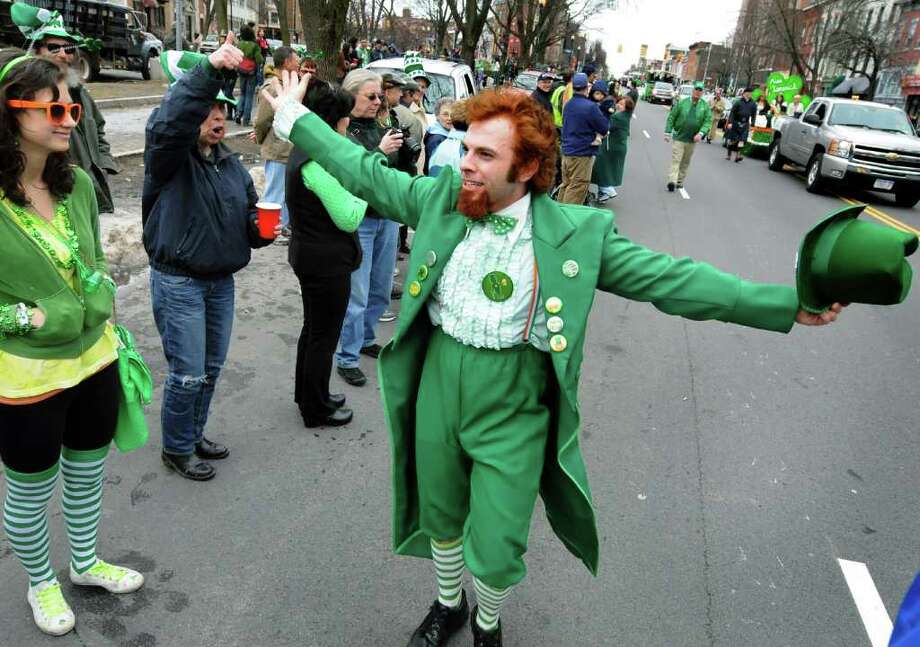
x=84, y=475
x=490, y=602
x=25, y=520
x=448, y=563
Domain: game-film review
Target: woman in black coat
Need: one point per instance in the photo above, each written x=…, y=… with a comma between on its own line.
x=323, y=253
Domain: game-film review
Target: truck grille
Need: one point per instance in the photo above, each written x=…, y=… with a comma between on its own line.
x=906, y=164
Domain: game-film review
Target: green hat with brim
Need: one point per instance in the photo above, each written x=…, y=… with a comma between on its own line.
x=37, y=23
x=177, y=63
x=413, y=66
x=699, y=85
x=846, y=260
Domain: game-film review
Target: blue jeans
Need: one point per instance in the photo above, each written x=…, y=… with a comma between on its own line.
x=247, y=94
x=274, y=187
x=194, y=318
x=370, y=289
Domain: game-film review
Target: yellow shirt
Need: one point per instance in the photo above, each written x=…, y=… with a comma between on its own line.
x=22, y=377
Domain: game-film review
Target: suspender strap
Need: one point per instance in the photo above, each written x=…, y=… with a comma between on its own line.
x=531, y=313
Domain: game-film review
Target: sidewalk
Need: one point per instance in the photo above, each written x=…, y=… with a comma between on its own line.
x=126, y=89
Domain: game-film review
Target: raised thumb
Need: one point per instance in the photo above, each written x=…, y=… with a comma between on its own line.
x=230, y=38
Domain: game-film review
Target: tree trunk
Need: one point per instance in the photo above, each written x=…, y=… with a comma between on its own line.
x=221, y=6
x=282, y=6
x=323, y=24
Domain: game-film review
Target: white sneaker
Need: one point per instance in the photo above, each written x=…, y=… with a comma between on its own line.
x=49, y=608
x=115, y=579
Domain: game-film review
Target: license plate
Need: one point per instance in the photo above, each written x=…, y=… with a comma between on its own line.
x=885, y=185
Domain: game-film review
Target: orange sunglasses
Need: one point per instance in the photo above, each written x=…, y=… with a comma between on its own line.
x=55, y=110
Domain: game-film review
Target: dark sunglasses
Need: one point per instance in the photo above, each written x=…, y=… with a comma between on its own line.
x=374, y=97
x=55, y=110
x=54, y=48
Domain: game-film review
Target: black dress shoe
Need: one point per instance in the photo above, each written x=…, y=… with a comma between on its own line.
x=371, y=351
x=396, y=293
x=483, y=638
x=183, y=466
x=211, y=451
x=336, y=400
x=337, y=418
x=671, y=187
x=353, y=376
x=440, y=624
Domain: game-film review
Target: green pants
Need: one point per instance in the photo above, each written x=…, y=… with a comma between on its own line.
x=481, y=428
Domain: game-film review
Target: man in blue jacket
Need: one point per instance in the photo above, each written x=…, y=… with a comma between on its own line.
x=583, y=126
x=199, y=216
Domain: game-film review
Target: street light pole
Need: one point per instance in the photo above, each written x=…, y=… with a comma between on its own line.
x=179, y=18
x=706, y=69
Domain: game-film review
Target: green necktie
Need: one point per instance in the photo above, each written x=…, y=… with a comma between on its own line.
x=501, y=225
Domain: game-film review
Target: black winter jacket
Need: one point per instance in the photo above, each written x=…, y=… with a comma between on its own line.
x=368, y=132
x=198, y=214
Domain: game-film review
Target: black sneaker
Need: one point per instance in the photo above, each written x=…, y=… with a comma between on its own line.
x=353, y=376
x=211, y=451
x=371, y=351
x=483, y=638
x=671, y=187
x=184, y=467
x=440, y=624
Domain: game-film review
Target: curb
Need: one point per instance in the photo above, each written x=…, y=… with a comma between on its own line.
x=140, y=151
x=129, y=102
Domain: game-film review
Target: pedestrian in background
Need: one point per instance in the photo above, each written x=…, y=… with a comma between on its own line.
x=372, y=282
x=252, y=61
x=740, y=120
x=199, y=217
x=324, y=252
x=89, y=148
x=450, y=151
x=265, y=50
x=796, y=108
x=582, y=125
x=688, y=122
x=59, y=380
x=439, y=130
x=542, y=94
x=717, y=106
x=610, y=164
x=275, y=151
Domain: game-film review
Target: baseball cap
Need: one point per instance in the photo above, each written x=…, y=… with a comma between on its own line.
x=587, y=69
x=580, y=81
x=699, y=86
x=411, y=86
x=546, y=76
x=393, y=80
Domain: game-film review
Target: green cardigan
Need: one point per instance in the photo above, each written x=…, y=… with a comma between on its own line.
x=563, y=235
x=74, y=321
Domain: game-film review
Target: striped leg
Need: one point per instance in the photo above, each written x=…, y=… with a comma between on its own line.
x=25, y=520
x=448, y=562
x=490, y=602
x=83, y=473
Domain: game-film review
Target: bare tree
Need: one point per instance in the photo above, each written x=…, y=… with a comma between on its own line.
x=867, y=41
x=470, y=18
x=323, y=25
x=366, y=16
x=283, y=21
x=437, y=13
x=222, y=24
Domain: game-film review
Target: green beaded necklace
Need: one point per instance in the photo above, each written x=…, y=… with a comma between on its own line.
x=90, y=279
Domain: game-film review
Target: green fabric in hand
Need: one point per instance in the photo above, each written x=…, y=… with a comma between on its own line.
x=346, y=210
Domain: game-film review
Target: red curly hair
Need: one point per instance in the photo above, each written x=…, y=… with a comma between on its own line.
x=536, y=132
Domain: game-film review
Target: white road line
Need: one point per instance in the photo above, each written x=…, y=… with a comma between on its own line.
x=647, y=136
x=683, y=193
x=868, y=602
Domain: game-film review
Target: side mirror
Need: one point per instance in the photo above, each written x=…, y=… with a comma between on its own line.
x=812, y=119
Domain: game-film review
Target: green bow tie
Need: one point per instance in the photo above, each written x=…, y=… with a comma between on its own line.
x=501, y=225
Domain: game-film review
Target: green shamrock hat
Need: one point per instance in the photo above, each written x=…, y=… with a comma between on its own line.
x=846, y=260
x=37, y=23
x=413, y=66
x=177, y=63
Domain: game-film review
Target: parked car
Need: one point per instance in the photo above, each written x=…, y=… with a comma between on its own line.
x=527, y=80
x=868, y=145
x=209, y=44
x=683, y=91
x=448, y=79
x=662, y=92
x=126, y=45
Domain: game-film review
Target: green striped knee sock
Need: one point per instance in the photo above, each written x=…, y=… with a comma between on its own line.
x=84, y=474
x=448, y=563
x=25, y=520
x=490, y=602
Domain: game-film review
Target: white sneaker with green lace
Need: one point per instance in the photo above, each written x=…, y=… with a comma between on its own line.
x=49, y=608
x=115, y=579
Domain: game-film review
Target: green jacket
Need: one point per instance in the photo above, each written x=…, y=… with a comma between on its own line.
x=29, y=276
x=561, y=234
x=681, y=112
x=251, y=50
x=90, y=150
x=610, y=162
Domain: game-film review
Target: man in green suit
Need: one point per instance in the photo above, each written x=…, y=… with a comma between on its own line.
x=480, y=380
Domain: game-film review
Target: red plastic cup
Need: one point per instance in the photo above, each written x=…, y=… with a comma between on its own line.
x=269, y=217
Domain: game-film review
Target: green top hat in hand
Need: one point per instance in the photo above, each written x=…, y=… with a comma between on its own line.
x=37, y=23
x=846, y=260
x=176, y=63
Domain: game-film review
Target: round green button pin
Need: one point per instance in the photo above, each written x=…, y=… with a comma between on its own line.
x=422, y=272
x=497, y=286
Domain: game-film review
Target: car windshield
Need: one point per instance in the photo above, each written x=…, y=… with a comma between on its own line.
x=441, y=86
x=661, y=85
x=873, y=117
x=686, y=90
x=526, y=81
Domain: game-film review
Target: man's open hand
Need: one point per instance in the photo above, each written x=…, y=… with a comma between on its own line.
x=290, y=85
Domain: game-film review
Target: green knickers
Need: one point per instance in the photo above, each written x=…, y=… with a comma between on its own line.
x=482, y=422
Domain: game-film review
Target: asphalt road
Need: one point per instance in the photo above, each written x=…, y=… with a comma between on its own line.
x=731, y=468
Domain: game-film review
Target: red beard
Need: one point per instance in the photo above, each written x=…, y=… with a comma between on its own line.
x=473, y=203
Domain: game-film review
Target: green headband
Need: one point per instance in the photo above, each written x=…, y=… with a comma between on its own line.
x=9, y=66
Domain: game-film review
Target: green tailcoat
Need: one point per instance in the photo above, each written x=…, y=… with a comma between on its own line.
x=561, y=234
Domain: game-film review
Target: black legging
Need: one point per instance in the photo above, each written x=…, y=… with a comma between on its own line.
x=82, y=417
x=325, y=300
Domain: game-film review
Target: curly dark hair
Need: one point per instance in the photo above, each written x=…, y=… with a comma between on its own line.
x=329, y=103
x=23, y=81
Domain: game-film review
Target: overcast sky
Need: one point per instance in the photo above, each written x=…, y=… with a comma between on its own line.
x=658, y=22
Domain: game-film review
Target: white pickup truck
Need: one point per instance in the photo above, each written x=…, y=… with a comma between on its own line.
x=870, y=146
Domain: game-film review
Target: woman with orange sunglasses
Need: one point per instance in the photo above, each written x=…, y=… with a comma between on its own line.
x=59, y=381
